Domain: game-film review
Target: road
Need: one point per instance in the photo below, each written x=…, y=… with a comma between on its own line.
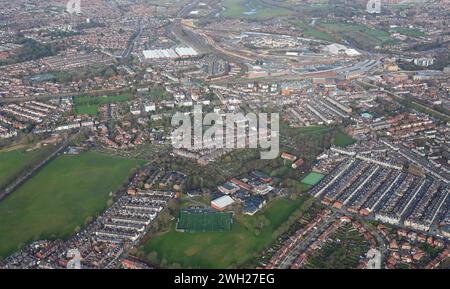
x=132, y=42
x=382, y=246
x=304, y=243
x=186, y=9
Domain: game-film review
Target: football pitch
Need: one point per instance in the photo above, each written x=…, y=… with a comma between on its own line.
x=312, y=178
x=204, y=221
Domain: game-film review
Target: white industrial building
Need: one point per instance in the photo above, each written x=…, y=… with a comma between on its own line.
x=339, y=49
x=222, y=202
x=170, y=53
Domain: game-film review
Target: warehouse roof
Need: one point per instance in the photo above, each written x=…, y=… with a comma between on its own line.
x=222, y=202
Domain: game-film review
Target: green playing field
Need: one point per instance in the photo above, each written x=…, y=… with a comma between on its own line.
x=312, y=179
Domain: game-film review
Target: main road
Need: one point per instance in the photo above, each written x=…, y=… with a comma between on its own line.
x=132, y=41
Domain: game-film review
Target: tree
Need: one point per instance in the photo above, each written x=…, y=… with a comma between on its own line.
x=261, y=222
x=109, y=203
x=164, y=262
x=172, y=207
x=88, y=220
x=152, y=257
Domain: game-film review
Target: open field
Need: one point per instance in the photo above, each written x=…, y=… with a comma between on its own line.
x=168, y=2
x=311, y=32
x=89, y=104
x=234, y=8
x=60, y=198
x=204, y=221
x=342, y=139
x=359, y=35
x=314, y=130
x=16, y=161
x=206, y=250
x=307, y=130
x=312, y=179
x=318, y=34
x=252, y=9
x=159, y=93
x=410, y=32
x=222, y=249
x=87, y=109
x=400, y=6
x=347, y=29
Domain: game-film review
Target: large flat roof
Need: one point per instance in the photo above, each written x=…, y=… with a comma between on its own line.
x=222, y=202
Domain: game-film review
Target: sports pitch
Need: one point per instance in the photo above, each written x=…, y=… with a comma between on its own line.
x=312, y=179
x=214, y=250
x=204, y=221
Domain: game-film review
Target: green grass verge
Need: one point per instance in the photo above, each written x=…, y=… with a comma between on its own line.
x=59, y=198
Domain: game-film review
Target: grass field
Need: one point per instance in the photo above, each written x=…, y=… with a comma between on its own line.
x=14, y=162
x=89, y=104
x=222, y=249
x=342, y=139
x=347, y=27
x=314, y=130
x=410, y=32
x=59, y=198
x=159, y=93
x=400, y=6
x=318, y=34
x=307, y=130
x=362, y=36
x=312, y=179
x=87, y=109
x=310, y=32
x=204, y=221
x=340, y=27
x=234, y=8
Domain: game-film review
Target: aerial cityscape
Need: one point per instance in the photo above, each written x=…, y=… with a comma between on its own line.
x=225, y=134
